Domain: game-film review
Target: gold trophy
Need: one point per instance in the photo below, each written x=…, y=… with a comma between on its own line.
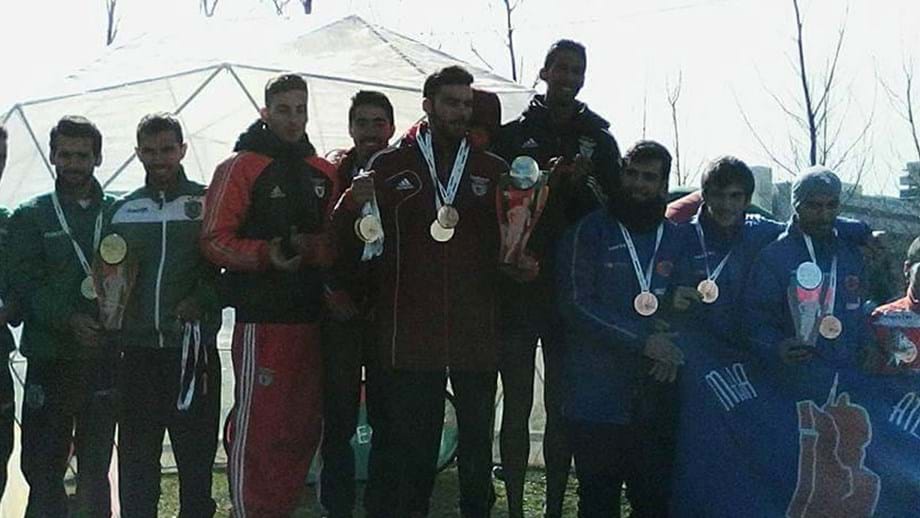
x=522, y=196
x=114, y=272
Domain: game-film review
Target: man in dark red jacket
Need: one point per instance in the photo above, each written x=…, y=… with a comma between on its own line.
x=434, y=291
x=348, y=333
x=265, y=224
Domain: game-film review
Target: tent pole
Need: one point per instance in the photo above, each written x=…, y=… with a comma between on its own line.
x=7, y=116
x=22, y=115
x=243, y=87
x=181, y=107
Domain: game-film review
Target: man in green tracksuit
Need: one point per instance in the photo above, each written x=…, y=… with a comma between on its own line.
x=7, y=316
x=170, y=374
x=68, y=393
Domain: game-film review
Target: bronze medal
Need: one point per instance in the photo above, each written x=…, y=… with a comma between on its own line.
x=88, y=288
x=113, y=249
x=709, y=290
x=646, y=304
x=830, y=327
x=439, y=233
x=448, y=217
x=368, y=228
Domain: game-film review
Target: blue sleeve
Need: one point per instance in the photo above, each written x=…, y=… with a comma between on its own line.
x=579, y=273
x=765, y=302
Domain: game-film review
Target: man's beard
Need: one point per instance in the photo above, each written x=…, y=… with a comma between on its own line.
x=637, y=216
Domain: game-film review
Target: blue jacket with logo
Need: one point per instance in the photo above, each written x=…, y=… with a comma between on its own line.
x=773, y=287
x=606, y=375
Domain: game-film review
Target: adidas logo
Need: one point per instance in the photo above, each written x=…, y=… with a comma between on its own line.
x=404, y=185
x=276, y=193
x=530, y=144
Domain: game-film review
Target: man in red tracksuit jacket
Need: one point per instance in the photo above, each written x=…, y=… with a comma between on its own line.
x=434, y=295
x=265, y=224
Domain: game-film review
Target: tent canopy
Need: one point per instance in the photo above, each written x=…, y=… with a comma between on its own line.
x=213, y=77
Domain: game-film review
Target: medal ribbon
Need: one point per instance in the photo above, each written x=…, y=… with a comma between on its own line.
x=711, y=275
x=644, y=278
x=97, y=233
x=827, y=307
x=443, y=195
x=191, y=339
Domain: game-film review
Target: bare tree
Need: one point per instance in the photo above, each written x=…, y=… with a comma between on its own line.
x=207, y=7
x=904, y=103
x=821, y=121
x=673, y=99
x=112, y=21
x=510, y=6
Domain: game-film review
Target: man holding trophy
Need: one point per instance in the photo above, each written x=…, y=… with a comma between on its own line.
x=170, y=373
x=69, y=384
x=434, y=292
x=804, y=296
x=574, y=145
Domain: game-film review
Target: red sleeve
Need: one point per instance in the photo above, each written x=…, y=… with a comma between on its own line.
x=226, y=205
x=682, y=210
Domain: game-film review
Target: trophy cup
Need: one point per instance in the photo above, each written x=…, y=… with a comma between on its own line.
x=805, y=309
x=521, y=199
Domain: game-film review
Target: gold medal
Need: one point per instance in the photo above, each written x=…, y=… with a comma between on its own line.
x=830, y=327
x=88, y=288
x=646, y=304
x=113, y=249
x=448, y=217
x=709, y=290
x=439, y=233
x=368, y=228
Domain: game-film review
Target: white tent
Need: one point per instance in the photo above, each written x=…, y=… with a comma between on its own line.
x=213, y=77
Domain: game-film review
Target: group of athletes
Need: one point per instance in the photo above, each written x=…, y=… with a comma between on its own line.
x=378, y=270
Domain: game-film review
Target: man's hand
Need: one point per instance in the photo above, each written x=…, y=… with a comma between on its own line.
x=684, y=297
x=315, y=249
x=341, y=305
x=279, y=261
x=664, y=372
x=793, y=351
x=583, y=167
x=362, y=188
x=660, y=347
x=86, y=329
x=188, y=310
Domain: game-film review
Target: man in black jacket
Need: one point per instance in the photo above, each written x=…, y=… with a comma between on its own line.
x=574, y=143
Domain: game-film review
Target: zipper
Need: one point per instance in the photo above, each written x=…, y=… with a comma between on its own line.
x=156, y=304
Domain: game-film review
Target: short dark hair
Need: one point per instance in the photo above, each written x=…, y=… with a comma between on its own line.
x=3, y=134
x=649, y=150
x=564, y=46
x=154, y=123
x=728, y=170
x=452, y=75
x=283, y=83
x=371, y=98
x=75, y=126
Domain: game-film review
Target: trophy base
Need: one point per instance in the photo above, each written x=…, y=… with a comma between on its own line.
x=525, y=270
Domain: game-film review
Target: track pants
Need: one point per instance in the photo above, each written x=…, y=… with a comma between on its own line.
x=276, y=421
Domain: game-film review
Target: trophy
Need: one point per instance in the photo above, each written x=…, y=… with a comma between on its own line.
x=805, y=309
x=521, y=199
x=114, y=273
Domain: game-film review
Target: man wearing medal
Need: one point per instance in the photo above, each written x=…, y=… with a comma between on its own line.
x=805, y=292
x=348, y=333
x=68, y=392
x=266, y=224
x=170, y=373
x=614, y=268
x=556, y=128
x=8, y=317
x=897, y=325
x=434, y=295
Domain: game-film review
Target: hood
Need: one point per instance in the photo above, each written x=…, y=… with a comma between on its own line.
x=584, y=120
x=259, y=139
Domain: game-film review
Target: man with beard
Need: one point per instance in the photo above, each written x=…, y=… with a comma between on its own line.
x=614, y=268
x=68, y=393
x=555, y=127
x=170, y=373
x=7, y=344
x=347, y=337
x=804, y=295
x=433, y=283
x=265, y=223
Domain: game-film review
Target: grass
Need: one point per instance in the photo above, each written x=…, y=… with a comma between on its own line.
x=443, y=502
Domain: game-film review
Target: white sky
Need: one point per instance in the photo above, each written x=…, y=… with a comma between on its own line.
x=730, y=53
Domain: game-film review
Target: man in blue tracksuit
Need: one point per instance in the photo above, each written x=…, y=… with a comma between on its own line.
x=804, y=294
x=614, y=269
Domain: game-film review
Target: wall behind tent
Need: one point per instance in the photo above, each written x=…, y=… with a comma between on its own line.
x=212, y=121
